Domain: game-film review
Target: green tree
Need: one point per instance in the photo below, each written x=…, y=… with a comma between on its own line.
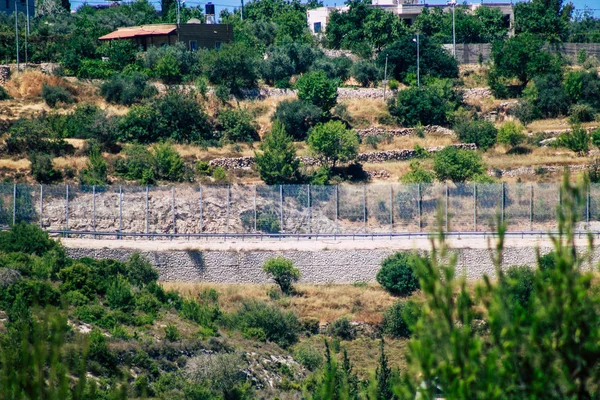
x=316, y=88
x=511, y=134
x=481, y=132
x=283, y=272
x=95, y=170
x=277, y=164
x=297, y=117
x=457, y=165
x=397, y=274
x=417, y=174
x=577, y=140
x=235, y=66
x=333, y=143
x=548, y=19
x=42, y=169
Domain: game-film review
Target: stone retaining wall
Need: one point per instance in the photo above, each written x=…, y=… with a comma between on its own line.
x=318, y=267
x=370, y=157
x=428, y=129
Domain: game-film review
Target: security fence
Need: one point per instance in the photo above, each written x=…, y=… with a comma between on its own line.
x=288, y=210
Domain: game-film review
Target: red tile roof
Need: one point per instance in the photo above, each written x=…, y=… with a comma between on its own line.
x=144, y=30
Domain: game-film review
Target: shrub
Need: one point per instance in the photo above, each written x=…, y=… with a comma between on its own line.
x=53, y=95
x=255, y=333
x=297, y=117
x=457, y=165
x=596, y=137
x=277, y=66
x=234, y=66
x=341, y=328
x=168, y=69
x=511, y=134
x=29, y=239
x=577, y=140
x=519, y=284
x=579, y=113
x=205, y=313
x=283, y=272
x=119, y=295
x=139, y=271
x=310, y=357
x=171, y=333
x=4, y=94
x=318, y=89
x=417, y=174
x=425, y=105
x=220, y=175
x=147, y=302
x=277, y=164
x=168, y=164
x=127, y=90
x=42, y=169
x=89, y=121
x=524, y=111
x=34, y=135
x=399, y=319
x=237, y=125
x=365, y=72
x=266, y=222
x=94, y=69
x=482, y=133
x=397, y=274
x=333, y=143
x=138, y=164
x=94, y=172
x=548, y=95
x=279, y=326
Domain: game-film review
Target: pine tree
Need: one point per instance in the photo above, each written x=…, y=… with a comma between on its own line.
x=277, y=164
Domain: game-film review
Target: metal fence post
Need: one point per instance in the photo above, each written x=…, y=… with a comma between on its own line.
x=41, y=205
x=94, y=209
x=365, y=207
x=173, y=211
x=255, y=216
x=587, y=208
x=447, y=196
x=14, y=203
x=391, y=210
x=419, y=205
x=475, y=207
x=146, y=212
x=309, y=209
x=228, y=206
x=337, y=208
x=120, y=212
x=531, y=207
x=282, y=230
x=503, y=202
x=67, y=211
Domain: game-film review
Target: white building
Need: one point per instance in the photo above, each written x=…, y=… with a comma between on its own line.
x=408, y=10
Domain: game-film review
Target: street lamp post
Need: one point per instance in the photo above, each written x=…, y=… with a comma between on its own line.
x=453, y=5
x=418, y=66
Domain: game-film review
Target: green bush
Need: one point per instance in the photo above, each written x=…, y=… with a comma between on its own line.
x=318, y=89
x=277, y=163
x=140, y=271
x=237, y=125
x=417, y=174
x=42, y=169
x=279, y=326
x=168, y=164
x=95, y=171
x=524, y=111
x=88, y=121
x=94, y=69
x=333, y=143
x=310, y=357
x=119, y=295
x=147, y=302
x=457, y=165
x=53, y=95
x=172, y=333
x=4, y=94
x=277, y=66
x=579, y=113
x=35, y=135
x=255, y=333
x=577, y=140
x=202, y=313
x=266, y=222
x=341, y=328
x=127, y=89
x=297, y=117
x=365, y=72
x=219, y=174
x=549, y=97
x=426, y=105
x=399, y=319
x=30, y=239
x=595, y=135
x=397, y=274
x=137, y=164
x=482, y=133
x=519, y=284
x=283, y=272
x=511, y=134
x=234, y=66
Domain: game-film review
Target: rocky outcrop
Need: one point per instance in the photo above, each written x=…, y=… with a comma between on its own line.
x=520, y=171
x=476, y=93
x=4, y=74
x=428, y=129
x=370, y=157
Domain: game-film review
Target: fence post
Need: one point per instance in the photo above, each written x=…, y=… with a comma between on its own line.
x=201, y=211
x=337, y=208
x=228, y=206
x=94, y=209
x=391, y=209
x=41, y=205
x=309, y=209
x=173, y=210
x=587, y=208
x=67, y=211
x=120, y=212
x=531, y=207
x=14, y=203
x=146, y=212
x=365, y=207
x=419, y=205
x=255, y=209
x=475, y=207
x=447, y=196
x=503, y=202
x=282, y=230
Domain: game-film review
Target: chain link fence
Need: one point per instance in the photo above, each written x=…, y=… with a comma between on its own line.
x=288, y=210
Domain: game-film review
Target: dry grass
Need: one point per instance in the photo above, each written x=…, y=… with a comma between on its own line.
x=365, y=112
x=76, y=163
x=28, y=85
x=497, y=158
x=473, y=75
x=195, y=152
x=409, y=142
x=15, y=164
x=324, y=302
x=263, y=111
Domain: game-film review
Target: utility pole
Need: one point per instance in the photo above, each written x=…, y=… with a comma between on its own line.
x=242, y=14
x=17, y=34
x=178, y=16
x=385, y=76
x=27, y=33
x=418, y=66
x=453, y=5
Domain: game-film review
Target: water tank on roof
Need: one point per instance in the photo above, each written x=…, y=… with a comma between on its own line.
x=210, y=9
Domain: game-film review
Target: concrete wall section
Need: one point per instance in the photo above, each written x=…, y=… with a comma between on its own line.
x=319, y=267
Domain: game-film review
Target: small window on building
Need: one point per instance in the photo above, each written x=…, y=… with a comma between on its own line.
x=218, y=45
x=193, y=45
x=317, y=27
